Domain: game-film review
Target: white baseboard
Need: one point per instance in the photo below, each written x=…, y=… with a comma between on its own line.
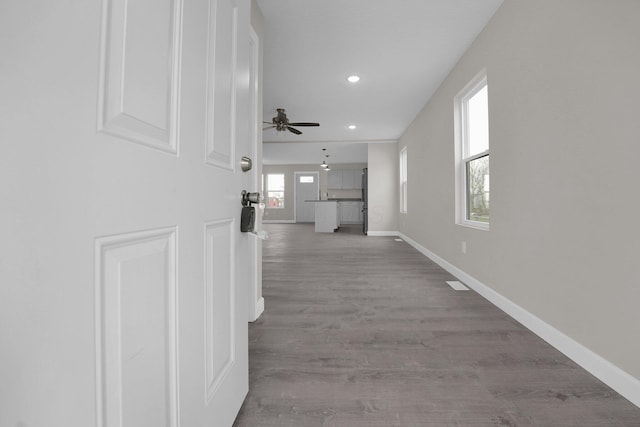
x=622, y=382
x=257, y=311
x=382, y=233
x=278, y=221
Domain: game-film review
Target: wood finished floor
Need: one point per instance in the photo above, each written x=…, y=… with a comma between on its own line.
x=363, y=331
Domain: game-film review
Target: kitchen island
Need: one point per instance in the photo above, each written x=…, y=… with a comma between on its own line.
x=327, y=215
x=350, y=209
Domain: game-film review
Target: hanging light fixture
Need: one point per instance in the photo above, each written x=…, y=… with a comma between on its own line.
x=324, y=164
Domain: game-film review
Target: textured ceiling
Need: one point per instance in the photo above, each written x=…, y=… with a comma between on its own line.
x=401, y=49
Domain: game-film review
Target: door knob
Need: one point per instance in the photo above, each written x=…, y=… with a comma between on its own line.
x=249, y=198
x=246, y=164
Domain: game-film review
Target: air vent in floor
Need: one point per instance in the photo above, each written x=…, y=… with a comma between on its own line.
x=457, y=285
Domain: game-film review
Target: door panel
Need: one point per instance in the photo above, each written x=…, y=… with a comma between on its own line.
x=136, y=318
x=122, y=303
x=221, y=79
x=139, y=71
x=219, y=302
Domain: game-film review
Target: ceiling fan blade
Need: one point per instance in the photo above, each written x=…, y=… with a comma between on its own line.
x=294, y=130
x=268, y=127
x=270, y=123
x=304, y=124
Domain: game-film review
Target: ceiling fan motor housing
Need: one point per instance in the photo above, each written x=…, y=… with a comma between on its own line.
x=281, y=120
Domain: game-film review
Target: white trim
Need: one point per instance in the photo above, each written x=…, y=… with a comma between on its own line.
x=258, y=309
x=474, y=224
x=341, y=141
x=277, y=221
x=382, y=233
x=256, y=301
x=461, y=132
x=619, y=380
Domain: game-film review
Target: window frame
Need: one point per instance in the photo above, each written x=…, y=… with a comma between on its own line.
x=403, y=180
x=461, y=114
x=268, y=190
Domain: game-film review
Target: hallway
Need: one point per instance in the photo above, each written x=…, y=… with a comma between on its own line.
x=363, y=331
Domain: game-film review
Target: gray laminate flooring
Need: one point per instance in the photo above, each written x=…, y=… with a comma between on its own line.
x=364, y=331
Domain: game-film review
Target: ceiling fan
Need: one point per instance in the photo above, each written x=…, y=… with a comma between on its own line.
x=281, y=123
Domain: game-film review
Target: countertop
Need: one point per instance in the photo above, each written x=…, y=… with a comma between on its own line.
x=336, y=200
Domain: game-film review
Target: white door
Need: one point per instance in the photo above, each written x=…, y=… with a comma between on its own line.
x=307, y=188
x=122, y=126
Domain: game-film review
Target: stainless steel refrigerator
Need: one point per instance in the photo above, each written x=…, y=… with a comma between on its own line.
x=365, y=201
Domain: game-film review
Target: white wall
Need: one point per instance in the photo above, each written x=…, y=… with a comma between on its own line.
x=383, y=176
x=565, y=142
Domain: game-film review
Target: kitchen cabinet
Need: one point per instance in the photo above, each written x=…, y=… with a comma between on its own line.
x=334, y=181
x=348, y=179
x=345, y=179
x=351, y=212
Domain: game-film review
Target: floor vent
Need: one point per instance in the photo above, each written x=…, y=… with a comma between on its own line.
x=457, y=285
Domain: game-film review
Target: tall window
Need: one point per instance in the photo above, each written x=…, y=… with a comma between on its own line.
x=472, y=139
x=403, y=180
x=275, y=191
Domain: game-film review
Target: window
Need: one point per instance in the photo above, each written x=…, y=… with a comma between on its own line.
x=275, y=191
x=306, y=179
x=403, y=180
x=472, y=153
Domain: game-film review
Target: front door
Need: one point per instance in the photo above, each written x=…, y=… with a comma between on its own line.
x=122, y=300
x=307, y=188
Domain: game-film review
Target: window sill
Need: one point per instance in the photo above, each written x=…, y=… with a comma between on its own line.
x=475, y=224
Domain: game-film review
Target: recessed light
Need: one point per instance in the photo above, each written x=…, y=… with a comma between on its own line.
x=352, y=127
x=353, y=79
